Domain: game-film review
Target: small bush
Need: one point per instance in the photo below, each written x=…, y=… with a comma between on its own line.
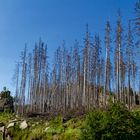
x=116, y=123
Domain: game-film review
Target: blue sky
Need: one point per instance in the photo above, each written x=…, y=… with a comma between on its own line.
x=25, y=21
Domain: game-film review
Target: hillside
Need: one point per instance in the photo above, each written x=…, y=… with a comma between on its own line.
x=115, y=122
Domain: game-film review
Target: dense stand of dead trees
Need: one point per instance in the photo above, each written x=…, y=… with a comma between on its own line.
x=82, y=76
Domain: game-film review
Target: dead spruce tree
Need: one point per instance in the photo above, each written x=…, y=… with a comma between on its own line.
x=81, y=76
x=129, y=56
x=107, y=82
x=137, y=30
x=118, y=57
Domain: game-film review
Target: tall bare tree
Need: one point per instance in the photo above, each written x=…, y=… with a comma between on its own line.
x=107, y=82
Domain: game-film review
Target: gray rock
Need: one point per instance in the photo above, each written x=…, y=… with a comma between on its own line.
x=46, y=129
x=11, y=125
x=23, y=125
x=9, y=138
x=2, y=129
x=15, y=120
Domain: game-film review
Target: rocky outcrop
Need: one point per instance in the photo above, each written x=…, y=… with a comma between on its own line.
x=4, y=128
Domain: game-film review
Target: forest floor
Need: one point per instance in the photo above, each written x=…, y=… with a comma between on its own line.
x=37, y=128
x=116, y=122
